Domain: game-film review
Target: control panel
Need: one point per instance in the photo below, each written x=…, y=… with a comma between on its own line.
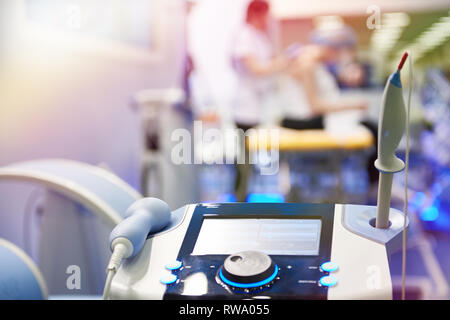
x=262, y=251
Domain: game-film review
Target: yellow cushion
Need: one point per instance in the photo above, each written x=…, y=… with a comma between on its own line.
x=312, y=140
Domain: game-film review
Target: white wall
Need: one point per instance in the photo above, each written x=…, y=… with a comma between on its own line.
x=63, y=96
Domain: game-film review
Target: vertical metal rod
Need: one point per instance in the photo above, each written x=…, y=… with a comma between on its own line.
x=384, y=200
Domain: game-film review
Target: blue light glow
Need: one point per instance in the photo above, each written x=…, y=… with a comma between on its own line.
x=249, y=285
x=168, y=279
x=418, y=200
x=227, y=197
x=328, y=281
x=265, y=197
x=329, y=266
x=430, y=213
x=174, y=265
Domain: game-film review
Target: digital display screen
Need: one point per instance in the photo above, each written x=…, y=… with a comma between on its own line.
x=298, y=237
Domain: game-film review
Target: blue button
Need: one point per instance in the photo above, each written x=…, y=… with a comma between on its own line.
x=174, y=265
x=329, y=266
x=328, y=281
x=168, y=279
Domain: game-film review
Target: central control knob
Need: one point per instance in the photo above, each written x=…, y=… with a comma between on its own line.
x=248, y=269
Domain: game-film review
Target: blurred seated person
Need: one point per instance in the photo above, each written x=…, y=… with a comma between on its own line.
x=315, y=91
x=295, y=84
x=320, y=69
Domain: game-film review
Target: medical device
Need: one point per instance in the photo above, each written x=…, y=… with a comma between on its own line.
x=66, y=204
x=265, y=250
x=390, y=130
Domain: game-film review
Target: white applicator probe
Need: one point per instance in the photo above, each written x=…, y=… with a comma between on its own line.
x=391, y=127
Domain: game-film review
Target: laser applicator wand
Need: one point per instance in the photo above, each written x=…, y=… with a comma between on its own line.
x=391, y=127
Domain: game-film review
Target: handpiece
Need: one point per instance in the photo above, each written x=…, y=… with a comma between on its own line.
x=391, y=127
x=128, y=237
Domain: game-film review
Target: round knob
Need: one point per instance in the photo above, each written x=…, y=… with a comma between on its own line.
x=248, y=269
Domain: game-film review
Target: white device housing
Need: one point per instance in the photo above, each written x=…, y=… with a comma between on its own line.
x=360, y=250
x=391, y=127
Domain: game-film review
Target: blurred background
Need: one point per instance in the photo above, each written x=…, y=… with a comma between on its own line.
x=107, y=83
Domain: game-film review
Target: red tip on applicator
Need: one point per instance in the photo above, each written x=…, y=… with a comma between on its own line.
x=402, y=62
